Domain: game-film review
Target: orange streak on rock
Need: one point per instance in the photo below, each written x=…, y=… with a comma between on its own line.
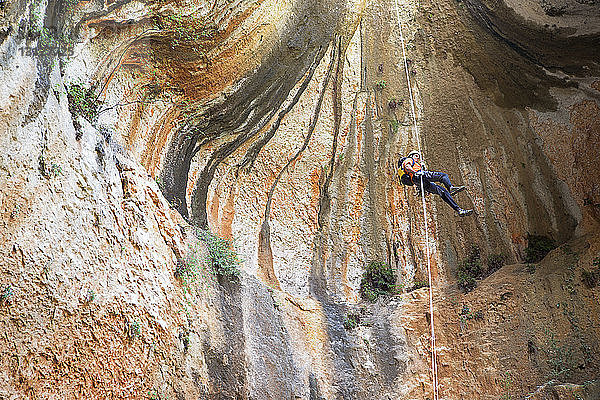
x=315, y=191
x=349, y=292
x=266, y=270
x=225, y=67
x=391, y=195
x=213, y=209
x=357, y=206
x=357, y=203
x=360, y=118
x=228, y=215
x=133, y=130
x=159, y=135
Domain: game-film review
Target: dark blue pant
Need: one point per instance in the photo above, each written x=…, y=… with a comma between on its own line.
x=429, y=177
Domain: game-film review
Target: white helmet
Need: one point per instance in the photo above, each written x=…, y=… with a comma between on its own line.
x=414, y=152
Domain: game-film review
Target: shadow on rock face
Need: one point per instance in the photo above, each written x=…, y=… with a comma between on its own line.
x=517, y=59
x=227, y=365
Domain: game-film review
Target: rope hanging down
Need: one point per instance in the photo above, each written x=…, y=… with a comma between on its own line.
x=416, y=127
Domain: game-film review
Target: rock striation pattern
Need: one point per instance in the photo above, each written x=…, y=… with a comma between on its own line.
x=129, y=126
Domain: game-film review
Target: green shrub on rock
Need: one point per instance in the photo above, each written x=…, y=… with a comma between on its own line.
x=592, y=278
x=378, y=279
x=537, y=248
x=82, y=101
x=223, y=258
x=495, y=262
x=351, y=321
x=470, y=269
x=5, y=294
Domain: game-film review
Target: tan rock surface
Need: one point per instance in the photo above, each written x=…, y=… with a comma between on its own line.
x=272, y=123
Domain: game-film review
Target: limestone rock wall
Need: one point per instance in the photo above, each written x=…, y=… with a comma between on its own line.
x=128, y=125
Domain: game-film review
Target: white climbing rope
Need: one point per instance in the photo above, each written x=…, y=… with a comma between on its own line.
x=414, y=116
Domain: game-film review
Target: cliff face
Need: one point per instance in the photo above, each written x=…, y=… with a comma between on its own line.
x=127, y=126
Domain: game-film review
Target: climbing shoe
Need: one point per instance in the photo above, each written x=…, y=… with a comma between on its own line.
x=456, y=189
x=464, y=213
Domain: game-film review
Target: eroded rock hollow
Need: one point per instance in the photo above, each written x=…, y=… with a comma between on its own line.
x=136, y=135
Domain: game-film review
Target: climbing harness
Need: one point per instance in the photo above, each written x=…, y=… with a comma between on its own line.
x=414, y=117
x=406, y=180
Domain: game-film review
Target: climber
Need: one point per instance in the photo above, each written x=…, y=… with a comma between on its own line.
x=414, y=172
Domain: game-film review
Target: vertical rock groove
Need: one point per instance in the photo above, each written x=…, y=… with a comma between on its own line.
x=324, y=200
x=264, y=250
x=255, y=149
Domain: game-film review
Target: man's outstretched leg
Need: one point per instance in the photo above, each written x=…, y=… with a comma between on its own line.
x=445, y=195
x=444, y=179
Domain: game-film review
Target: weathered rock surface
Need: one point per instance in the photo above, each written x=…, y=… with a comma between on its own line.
x=554, y=390
x=279, y=124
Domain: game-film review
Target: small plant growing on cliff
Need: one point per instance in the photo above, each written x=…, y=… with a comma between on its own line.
x=182, y=269
x=134, y=329
x=537, y=248
x=192, y=268
x=223, y=258
x=82, y=102
x=55, y=169
x=495, y=262
x=5, y=294
x=507, y=383
x=380, y=85
x=591, y=278
x=467, y=315
x=48, y=170
x=559, y=358
x=394, y=126
x=378, y=279
x=48, y=44
x=90, y=296
x=153, y=395
x=160, y=183
x=394, y=103
x=470, y=269
x=351, y=321
x=14, y=214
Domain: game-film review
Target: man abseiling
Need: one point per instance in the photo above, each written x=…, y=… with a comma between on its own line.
x=413, y=166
